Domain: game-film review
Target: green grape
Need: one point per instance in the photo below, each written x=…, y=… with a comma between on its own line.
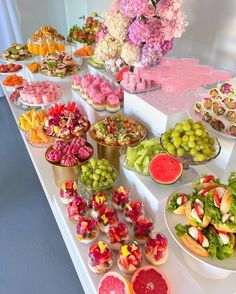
x=196, y=126
x=212, y=141
x=207, y=151
x=98, y=171
x=110, y=181
x=95, y=184
x=170, y=146
x=177, y=142
x=202, y=146
x=185, y=138
x=172, y=152
x=199, y=132
x=204, y=134
x=186, y=126
x=96, y=177
x=192, y=138
x=93, y=163
x=179, y=127
x=191, y=144
x=91, y=176
x=211, y=154
x=165, y=137
x=113, y=175
x=193, y=151
x=181, y=151
x=190, y=133
x=175, y=134
x=109, y=168
x=199, y=157
x=185, y=146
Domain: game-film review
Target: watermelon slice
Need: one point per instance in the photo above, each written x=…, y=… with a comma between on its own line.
x=148, y=280
x=119, y=76
x=114, y=283
x=165, y=169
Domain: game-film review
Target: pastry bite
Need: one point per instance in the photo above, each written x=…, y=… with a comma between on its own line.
x=142, y=228
x=195, y=213
x=156, y=250
x=54, y=156
x=120, y=197
x=100, y=258
x=69, y=160
x=87, y=230
x=97, y=202
x=106, y=217
x=68, y=192
x=129, y=258
x=177, y=203
x=117, y=235
x=132, y=210
x=76, y=208
x=205, y=183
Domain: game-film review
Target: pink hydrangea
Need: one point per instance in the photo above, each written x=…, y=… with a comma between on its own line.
x=134, y=8
x=150, y=56
x=115, y=7
x=138, y=32
x=166, y=8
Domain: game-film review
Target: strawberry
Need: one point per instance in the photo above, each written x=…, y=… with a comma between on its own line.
x=197, y=208
x=200, y=237
x=208, y=179
x=216, y=198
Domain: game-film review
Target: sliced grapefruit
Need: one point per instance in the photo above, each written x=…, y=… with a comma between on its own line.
x=148, y=280
x=114, y=283
x=165, y=169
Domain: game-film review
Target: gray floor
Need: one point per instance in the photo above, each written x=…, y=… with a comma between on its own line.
x=33, y=256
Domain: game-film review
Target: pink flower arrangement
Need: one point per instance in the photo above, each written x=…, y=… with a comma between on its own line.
x=142, y=30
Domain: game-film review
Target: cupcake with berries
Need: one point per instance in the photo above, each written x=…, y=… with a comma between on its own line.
x=106, y=217
x=120, y=197
x=97, y=202
x=156, y=251
x=99, y=258
x=117, y=235
x=68, y=192
x=99, y=102
x=76, y=208
x=132, y=210
x=142, y=228
x=87, y=230
x=129, y=258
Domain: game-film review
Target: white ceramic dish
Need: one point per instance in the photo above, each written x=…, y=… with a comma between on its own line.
x=206, y=266
x=37, y=105
x=18, y=61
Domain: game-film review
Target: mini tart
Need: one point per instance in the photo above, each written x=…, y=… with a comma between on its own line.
x=156, y=251
x=68, y=192
x=59, y=145
x=120, y=197
x=97, y=202
x=99, y=106
x=113, y=108
x=107, y=216
x=142, y=228
x=87, y=230
x=132, y=210
x=76, y=208
x=117, y=235
x=99, y=258
x=129, y=258
x=54, y=156
x=69, y=160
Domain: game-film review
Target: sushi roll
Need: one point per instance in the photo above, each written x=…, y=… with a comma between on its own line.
x=217, y=125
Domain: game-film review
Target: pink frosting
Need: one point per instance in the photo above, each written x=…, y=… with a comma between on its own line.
x=113, y=100
x=120, y=93
x=106, y=90
x=99, y=98
x=69, y=160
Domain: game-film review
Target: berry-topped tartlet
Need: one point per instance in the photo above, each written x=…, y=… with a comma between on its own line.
x=100, y=258
x=117, y=235
x=132, y=210
x=156, y=251
x=129, y=258
x=97, y=202
x=142, y=228
x=120, y=197
x=87, y=230
x=106, y=217
x=76, y=208
x=68, y=192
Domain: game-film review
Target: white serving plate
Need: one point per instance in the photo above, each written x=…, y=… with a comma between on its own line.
x=18, y=61
x=206, y=266
x=37, y=105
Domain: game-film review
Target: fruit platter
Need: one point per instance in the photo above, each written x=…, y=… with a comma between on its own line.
x=65, y=122
x=16, y=52
x=13, y=81
x=84, y=52
x=217, y=110
x=58, y=65
x=9, y=68
x=117, y=131
x=85, y=34
x=201, y=218
x=73, y=153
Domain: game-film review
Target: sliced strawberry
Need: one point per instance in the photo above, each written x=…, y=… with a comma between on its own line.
x=205, y=191
x=200, y=237
x=133, y=260
x=197, y=208
x=217, y=199
x=124, y=262
x=222, y=232
x=183, y=197
x=208, y=179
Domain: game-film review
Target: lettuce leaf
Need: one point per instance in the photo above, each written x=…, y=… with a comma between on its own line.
x=181, y=230
x=211, y=211
x=172, y=205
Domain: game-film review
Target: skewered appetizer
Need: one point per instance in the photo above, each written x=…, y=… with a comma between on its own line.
x=16, y=52
x=97, y=202
x=117, y=235
x=68, y=192
x=120, y=197
x=142, y=228
x=129, y=258
x=178, y=202
x=106, y=217
x=87, y=230
x=132, y=210
x=205, y=183
x=76, y=208
x=10, y=68
x=156, y=250
x=100, y=258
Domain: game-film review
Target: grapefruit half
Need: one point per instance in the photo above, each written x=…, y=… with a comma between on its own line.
x=114, y=283
x=148, y=280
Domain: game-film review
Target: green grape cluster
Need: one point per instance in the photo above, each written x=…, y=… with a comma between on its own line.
x=97, y=174
x=189, y=138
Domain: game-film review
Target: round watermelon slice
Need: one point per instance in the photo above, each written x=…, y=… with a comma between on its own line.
x=165, y=169
x=115, y=283
x=148, y=280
